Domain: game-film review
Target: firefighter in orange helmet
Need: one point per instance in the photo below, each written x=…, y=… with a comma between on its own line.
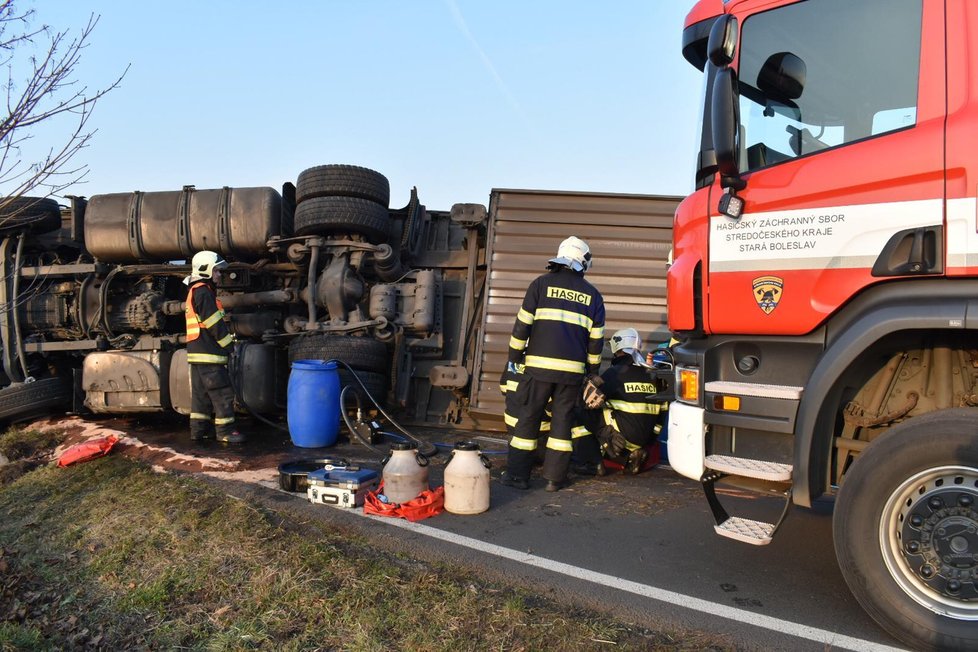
x=209, y=344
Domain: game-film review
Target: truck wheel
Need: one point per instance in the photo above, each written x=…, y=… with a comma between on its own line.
x=906, y=530
x=324, y=215
x=343, y=181
x=361, y=353
x=21, y=402
x=39, y=214
x=375, y=383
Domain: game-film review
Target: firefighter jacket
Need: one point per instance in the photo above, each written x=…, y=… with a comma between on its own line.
x=630, y=404
x=559, y=329
x=208, y=337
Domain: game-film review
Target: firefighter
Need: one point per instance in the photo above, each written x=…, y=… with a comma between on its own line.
x=628, y=421
x=558, y=336
x=208, y=344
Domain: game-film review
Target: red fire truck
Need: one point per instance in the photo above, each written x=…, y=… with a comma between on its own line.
x=825, y=290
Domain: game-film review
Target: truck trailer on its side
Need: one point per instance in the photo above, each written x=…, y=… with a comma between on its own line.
x=418, y=302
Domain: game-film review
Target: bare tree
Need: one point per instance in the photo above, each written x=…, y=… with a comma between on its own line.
x=43, y=92
x=45, y=127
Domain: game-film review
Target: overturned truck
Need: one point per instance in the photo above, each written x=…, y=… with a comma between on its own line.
x=92, y=298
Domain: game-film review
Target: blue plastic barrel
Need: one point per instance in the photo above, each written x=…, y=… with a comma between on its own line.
x=314, y=403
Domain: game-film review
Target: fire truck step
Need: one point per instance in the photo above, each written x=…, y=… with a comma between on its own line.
x=753, y=389
x=749, y=468
x=746, y=530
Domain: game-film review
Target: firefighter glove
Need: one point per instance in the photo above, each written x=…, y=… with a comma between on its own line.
x=593, y=395
x=616, y=446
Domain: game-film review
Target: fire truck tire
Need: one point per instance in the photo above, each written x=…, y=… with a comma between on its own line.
x=324, y=215
x=343, y=181
x=361, y=353
x=39, y=214
x=374, y=383
x=21, y=402
x=906, y=530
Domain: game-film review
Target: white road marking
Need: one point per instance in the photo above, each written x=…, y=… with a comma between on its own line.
x=731, y=613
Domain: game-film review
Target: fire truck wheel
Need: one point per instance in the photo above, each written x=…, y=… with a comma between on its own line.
x=906, y=530
x=324, y=215
x=21, y=402
x=361, y=353
x=374, y=383
x=343, y=181
x=39, y=214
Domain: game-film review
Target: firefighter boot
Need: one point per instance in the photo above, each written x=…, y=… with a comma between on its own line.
x=589, y=468
x=230, y=437
x=636, y=460
x=519, y=483
x=201, y=431
x=556, y=485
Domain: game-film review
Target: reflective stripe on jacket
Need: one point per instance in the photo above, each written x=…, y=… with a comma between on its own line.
x=208, y=337
x=559, y=329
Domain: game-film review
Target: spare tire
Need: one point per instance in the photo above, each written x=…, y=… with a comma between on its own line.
x=343, y=181
x=324, y=215
x=38, y=214
x=21, y=402
x=361, y=353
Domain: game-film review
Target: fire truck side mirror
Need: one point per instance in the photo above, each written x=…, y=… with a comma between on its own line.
x=725, y=127
x=722, y=44
x=782, y=78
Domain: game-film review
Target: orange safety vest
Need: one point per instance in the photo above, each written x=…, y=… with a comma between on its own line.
x=193, y=319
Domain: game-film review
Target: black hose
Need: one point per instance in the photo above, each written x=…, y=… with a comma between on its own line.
x=354, y=433
x=425, y=448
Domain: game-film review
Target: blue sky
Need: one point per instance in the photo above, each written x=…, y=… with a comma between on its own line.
x=455, y=97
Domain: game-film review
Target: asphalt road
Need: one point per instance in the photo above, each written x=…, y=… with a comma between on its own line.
x=641, y=546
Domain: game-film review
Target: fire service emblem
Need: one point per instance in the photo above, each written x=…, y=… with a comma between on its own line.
x=767, y=292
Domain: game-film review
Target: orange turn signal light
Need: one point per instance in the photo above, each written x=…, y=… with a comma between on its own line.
x=728, y=403
x=689, y=385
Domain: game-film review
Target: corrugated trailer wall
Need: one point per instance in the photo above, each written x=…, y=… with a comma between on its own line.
x=630, y=237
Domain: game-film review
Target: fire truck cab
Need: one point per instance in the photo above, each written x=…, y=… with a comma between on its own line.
x=824, y=289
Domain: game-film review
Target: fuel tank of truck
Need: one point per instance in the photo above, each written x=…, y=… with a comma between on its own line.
x=173, y=225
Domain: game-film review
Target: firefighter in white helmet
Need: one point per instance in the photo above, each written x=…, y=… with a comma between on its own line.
x=558, y=336
x=627, y=422
x=209, y=343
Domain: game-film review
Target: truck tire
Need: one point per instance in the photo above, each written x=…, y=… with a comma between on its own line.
x=343, y=181
x=324, y=215
x=361, y=353
x=374, y=383
x=38, y=214
x=21, y=402
x=906, y=530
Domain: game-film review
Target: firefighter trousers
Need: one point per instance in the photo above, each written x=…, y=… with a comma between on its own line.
x=211, y=400
x=532, y=398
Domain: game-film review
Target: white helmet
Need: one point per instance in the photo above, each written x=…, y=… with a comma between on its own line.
x=628, y=341
x=203, y=265
x=574, y=253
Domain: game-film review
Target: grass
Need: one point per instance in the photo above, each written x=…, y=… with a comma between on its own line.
x=25, y=450
x=18, y=443
x=111, y=555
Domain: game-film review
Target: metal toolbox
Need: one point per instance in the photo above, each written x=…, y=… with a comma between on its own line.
x=341, y=487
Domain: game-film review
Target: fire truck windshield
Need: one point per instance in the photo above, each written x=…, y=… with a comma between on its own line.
x=819, y=74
